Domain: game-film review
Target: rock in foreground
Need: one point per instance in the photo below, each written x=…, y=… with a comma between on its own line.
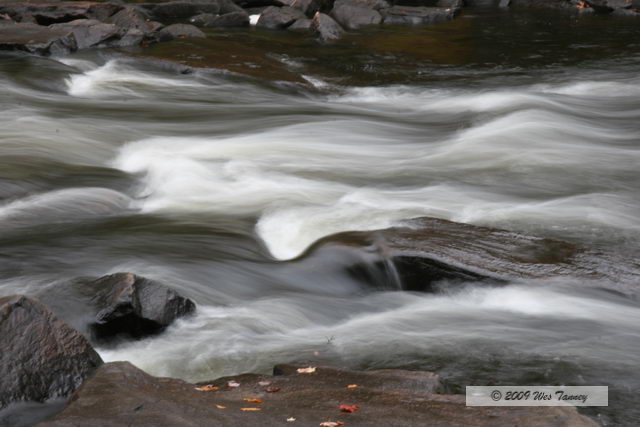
x=135, y=306
x=42, y=357
x=120, y=394
x=36, y=39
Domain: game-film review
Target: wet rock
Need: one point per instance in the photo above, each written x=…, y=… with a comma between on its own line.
x=249, y=4
x=90, y=33
x=310, y=7
x=451, y=4
x=36, y=39
x=326, y=28
x=303, y=25
x=407, y=15
x=275, y=18
x=136, y=306
x=121, y=394
x=428, y=251
x=228, y=6
x=42, y=357
x=131, y=18
x=228, y=20
x=180, y=12
x=607, y=6
x=351, y=15
x=47, y=13
x=626, y=13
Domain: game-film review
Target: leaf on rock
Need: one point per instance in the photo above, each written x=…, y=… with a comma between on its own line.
x=250, y=409
x=233, y=384
x=309, y=370
x=352, y=386
x=349, y=408
x=264, y=383
x=221, y=407
x=252, y=400
x=208, y=387
x=273, y=389
x=331, y=424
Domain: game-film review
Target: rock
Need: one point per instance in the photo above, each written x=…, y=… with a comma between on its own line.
x=326, y=28
x=504, y=3
x=36, y=39
x=228, y=6
x=90, y=33
x=132, y=37
x=131, y=18
x=275, y=18
x=351, y=16
x=47, y=13
x=249, y=4
x=177, y=11
x=427, y=251
x=626, y=12
x=136, y=306
x=453, y=4
x=406, y=15
x=607, y=6
x=121, y=394
x=42, y=357
x=310, y=7
x=303, y=25
x=175, y=31
x=228, y=20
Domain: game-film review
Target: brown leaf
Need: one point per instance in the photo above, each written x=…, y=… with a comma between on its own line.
x=309, y=370
x=349, y=408
x=207, y=387
x=252, y=400
x=273, y=389
x=352, y=386
x=250, y=409
x=221, y=407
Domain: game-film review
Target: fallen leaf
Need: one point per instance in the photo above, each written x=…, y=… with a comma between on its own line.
x=233, y=384
x=331, y=424
x=264, y=383
x=273, y=389
x=352, y=386
x=349, y=408
x=290, y=419
x=252, y=400
x=208, y=387
x=309, y=370
x=250, y=409
x=221, y=407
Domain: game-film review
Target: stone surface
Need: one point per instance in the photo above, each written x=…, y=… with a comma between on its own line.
x=90, y=32
x=42, y=357
x=131, y=18
x=406, y=15
x=228, y=20
x=120, y=394
x=47, y=13
x=136, y=306
x=180, y=12
x=303, y=25
x=275, y=18
x=351, y=16
x=326, y=28
x=36, y=39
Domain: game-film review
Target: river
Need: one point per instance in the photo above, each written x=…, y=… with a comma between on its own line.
x=212, y=181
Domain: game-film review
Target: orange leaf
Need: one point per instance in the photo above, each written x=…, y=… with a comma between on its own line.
x=273, y=389
x=250, y=409
x=352, y=386
x=208, y=387
x=331, y=424
x=252, y=400
x=309, y=370
x=221, y=407
x=349, y=408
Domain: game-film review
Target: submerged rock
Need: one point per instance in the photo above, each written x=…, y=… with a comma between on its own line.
x=135, y=306
x=121, y=394
x=36, y=39
x=42, y=357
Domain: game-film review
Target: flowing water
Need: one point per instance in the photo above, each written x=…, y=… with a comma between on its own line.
x=212, y=182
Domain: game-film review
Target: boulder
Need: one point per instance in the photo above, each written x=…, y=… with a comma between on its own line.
x=368, y=4
x=326, y=28
x=178, y=31
x=47, y=13
x=131, y=18
x=249, y=4
x=135, y=306
x=228, y=20
x=42, y=357
x=607, y=6
x=351, y=16
x=626, y=13
x=407, y=15
x=36, y=39
x=310, y=7
x=451, y=4
x=91, y=33
x=180, y=11
x=424, y=252
x=275, y=18
x=228, y=6
x=121, y=394
x=303, y=25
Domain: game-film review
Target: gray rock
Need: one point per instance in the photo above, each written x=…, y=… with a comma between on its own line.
x=228, y=6
x=351, y=16
x=452, y=4
x=228, y=20
x=369, y=4
x=42, y=357
x=90, y=33
x=133, y=18
x=136, y=306
x=302, y=25
x=406, y=15
x=275, y=18
x=181, y=11
x=626, y=12
x=52, y=12
x=310, y=7
x=36, y=39
x=326, y=28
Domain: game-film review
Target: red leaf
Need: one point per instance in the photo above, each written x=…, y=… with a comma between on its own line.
x=273, y=389
x=349, y=408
